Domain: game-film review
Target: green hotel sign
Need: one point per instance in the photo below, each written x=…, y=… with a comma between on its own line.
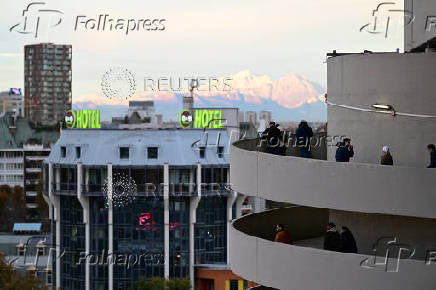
x=202, y=118
x=84, y=119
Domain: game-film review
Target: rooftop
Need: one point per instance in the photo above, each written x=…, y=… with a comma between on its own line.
x=175, y=147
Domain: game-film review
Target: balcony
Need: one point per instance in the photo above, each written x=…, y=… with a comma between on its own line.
x=304, y=265
x=357, y=187
x=33, y=170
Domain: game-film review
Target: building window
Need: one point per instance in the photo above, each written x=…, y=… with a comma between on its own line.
x=220, y=151
x=124, y=152
x=152, y=152
x=63, y=151
x=49, y=278
x=202, y=151
x=78, y=152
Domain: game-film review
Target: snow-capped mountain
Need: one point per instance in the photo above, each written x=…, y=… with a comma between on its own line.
x=289, y=98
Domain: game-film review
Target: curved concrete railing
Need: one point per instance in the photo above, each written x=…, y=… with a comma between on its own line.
x=367, y=188
x=293, y=267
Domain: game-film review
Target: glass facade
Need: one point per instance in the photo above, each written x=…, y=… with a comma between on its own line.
x=99, y=243
x=138, y=227
x=211, y=231
x=138, y=241
x=72, y=243
x=179, y=237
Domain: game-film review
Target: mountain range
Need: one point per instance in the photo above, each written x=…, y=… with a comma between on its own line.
x=289, y=98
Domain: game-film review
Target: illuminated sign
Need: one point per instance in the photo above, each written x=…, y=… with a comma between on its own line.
x=203, y=118
x=85, y=119
x=146, y=223
x=208, y=118
x=185, y=119
x=15, y=91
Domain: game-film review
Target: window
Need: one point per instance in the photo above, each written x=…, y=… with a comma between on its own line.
x=220, y=151
x=152, y=152
x=63, y=151
x=202, y=151
x=49, y=277
x=78, y=152
x=124, y=152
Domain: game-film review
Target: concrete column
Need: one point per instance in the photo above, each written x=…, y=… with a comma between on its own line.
x=58, y=178
x=50, y=207
x=87, y=179
x=230, y=200
x=166, y=221
x=193, y=204
x=84, y=201
x=55, y=201
x=110, y=228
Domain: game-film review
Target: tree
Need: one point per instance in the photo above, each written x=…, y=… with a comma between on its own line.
x=11, y=280
x=158, y=283
x=12, y=206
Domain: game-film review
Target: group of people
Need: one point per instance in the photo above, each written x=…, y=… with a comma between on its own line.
x=333, y=240
x=339, y=241
x=345, y=151
x=276, y=143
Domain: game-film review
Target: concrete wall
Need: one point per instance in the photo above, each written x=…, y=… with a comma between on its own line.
x=405, y=81
x=318, y=145
x=294, y=219
x=290, y=267
x=355, y=187
x=420, y=30
x=417, y=232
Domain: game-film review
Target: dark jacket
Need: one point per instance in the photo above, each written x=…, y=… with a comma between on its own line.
x=432, y=160
x=348, y=243
x=386, y=159
x=273, y=136
x=303, y=134
x=332, y=241
x=283, y=237
x=344, y=153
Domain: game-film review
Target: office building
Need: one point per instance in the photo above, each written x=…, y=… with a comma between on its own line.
x=47, y=82
x=170, y=201
x=251, y=116
x=376, y=99
x=265, y=115
x=22, y=150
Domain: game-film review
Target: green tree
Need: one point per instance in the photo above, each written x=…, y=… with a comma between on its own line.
x=158, y=283
x=11, y=280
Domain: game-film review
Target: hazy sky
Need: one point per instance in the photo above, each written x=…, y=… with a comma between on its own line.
x=201, y=38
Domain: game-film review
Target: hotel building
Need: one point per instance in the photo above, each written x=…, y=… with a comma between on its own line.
x=178, y=213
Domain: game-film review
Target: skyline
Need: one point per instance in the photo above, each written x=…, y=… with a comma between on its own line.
x=230, y=40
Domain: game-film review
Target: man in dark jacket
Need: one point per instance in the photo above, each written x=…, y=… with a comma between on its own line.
x=348, y=243
x=303, y=134
x=345, y=151
x=431, y=149
x=332, y=240
x=272, y=135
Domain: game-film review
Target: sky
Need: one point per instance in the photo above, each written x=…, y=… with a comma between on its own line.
x=201, y=38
